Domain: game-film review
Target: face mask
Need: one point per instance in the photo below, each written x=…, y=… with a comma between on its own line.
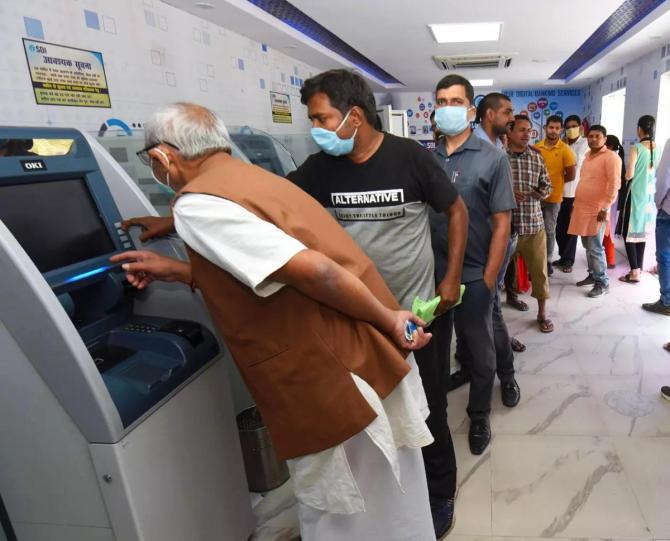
x=165, y=188
x=330, y=143
x=572, y=133
x=452, y=119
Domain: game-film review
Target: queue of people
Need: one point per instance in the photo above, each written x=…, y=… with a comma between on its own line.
x=311, y=279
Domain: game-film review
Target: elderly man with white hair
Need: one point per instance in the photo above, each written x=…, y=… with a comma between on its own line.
x=314, y=330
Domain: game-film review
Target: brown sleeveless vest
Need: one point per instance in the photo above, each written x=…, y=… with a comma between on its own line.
x=294, y=353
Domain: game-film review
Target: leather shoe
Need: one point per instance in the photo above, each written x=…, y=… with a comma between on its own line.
x=657, y=307
x=458, y=378
x=479, y=435
x=510, y=393
x=442, y=511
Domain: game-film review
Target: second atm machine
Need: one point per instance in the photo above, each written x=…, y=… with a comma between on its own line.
x=116, y=422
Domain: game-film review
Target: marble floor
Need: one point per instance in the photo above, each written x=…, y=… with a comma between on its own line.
x=586, y=454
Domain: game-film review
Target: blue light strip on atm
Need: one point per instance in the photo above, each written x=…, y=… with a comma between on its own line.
x=87, y=274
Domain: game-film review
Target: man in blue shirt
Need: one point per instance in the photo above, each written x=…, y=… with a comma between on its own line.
x=482, y=176
x=494, y=114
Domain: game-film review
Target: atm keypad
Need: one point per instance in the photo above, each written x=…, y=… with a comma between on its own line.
x=123, y=236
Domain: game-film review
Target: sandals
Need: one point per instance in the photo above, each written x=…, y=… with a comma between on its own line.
x=517, y=346
x=518, y=304
x=545, y=325
x=567, y=269
x=628, y=279
x=666, y=347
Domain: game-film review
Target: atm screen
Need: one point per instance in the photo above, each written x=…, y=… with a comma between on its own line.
x=57, y=223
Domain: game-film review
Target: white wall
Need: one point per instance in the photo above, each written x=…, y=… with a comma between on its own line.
x=641, y=79
x=421, y=104
x=147, y=46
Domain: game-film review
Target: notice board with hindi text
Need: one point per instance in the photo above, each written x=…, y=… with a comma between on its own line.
x=281, y=108
x=66, y=76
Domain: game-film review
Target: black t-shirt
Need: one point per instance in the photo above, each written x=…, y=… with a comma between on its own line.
x=382, y=203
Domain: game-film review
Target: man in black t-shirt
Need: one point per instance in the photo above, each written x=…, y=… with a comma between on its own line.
x=379, y=187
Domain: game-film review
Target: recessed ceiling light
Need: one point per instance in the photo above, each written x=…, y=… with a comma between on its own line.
x=654, y=38
x=204, y=5
x=538, y=60
x=481, y=82
x=466, y=32
x=290, y=46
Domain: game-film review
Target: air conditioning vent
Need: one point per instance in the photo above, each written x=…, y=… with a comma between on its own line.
x=473, y=61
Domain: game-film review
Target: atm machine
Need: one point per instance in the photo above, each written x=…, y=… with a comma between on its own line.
x=116, y=421
x=263, y=149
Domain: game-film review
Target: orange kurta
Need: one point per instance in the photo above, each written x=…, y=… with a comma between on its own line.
x=600, y=180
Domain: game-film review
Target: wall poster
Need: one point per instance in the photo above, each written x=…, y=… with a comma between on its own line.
x=281, y=108
x=67, y=76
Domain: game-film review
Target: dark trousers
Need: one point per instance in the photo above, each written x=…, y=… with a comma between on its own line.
x=510, y=279
x=476, y=351
x=501, y=338
x=635, y=253
x=433, y=362
x=567, y=244
x=502, y=344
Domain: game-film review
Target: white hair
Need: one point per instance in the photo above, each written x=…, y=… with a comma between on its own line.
x=194, y=130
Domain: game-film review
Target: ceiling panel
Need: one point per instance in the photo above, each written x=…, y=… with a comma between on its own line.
x=538, y=34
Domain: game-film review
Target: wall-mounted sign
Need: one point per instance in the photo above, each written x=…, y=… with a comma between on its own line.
x=281, y=108
x=543, y=102
x=66, y=75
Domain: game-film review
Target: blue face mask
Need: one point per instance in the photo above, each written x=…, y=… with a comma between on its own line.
x=165, y=188
x=452, y=119
x=330, y=143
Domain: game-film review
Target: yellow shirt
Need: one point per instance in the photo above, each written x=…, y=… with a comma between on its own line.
x=556, y=158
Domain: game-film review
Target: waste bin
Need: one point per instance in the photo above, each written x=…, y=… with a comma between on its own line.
x=264, y=470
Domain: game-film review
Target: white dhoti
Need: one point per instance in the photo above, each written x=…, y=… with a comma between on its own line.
x=371, y=487
x=391, y=513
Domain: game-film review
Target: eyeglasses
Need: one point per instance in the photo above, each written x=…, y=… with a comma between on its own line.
x=143, y=154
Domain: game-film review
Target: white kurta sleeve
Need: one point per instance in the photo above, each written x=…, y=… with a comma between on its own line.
x=235, y=239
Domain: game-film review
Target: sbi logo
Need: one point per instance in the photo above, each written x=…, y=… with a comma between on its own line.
x=37, y=49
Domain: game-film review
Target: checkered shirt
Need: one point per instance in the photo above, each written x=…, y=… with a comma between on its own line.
x=529, y=175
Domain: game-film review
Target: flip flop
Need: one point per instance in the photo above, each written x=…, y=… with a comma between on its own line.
x=666, y=347
x=627, y=278
x=545, y=325
x=517, y=346
x=516, y=303
x=567, y=269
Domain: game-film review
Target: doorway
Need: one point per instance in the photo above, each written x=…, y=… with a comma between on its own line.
x=613, y=107
x=663, y=115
